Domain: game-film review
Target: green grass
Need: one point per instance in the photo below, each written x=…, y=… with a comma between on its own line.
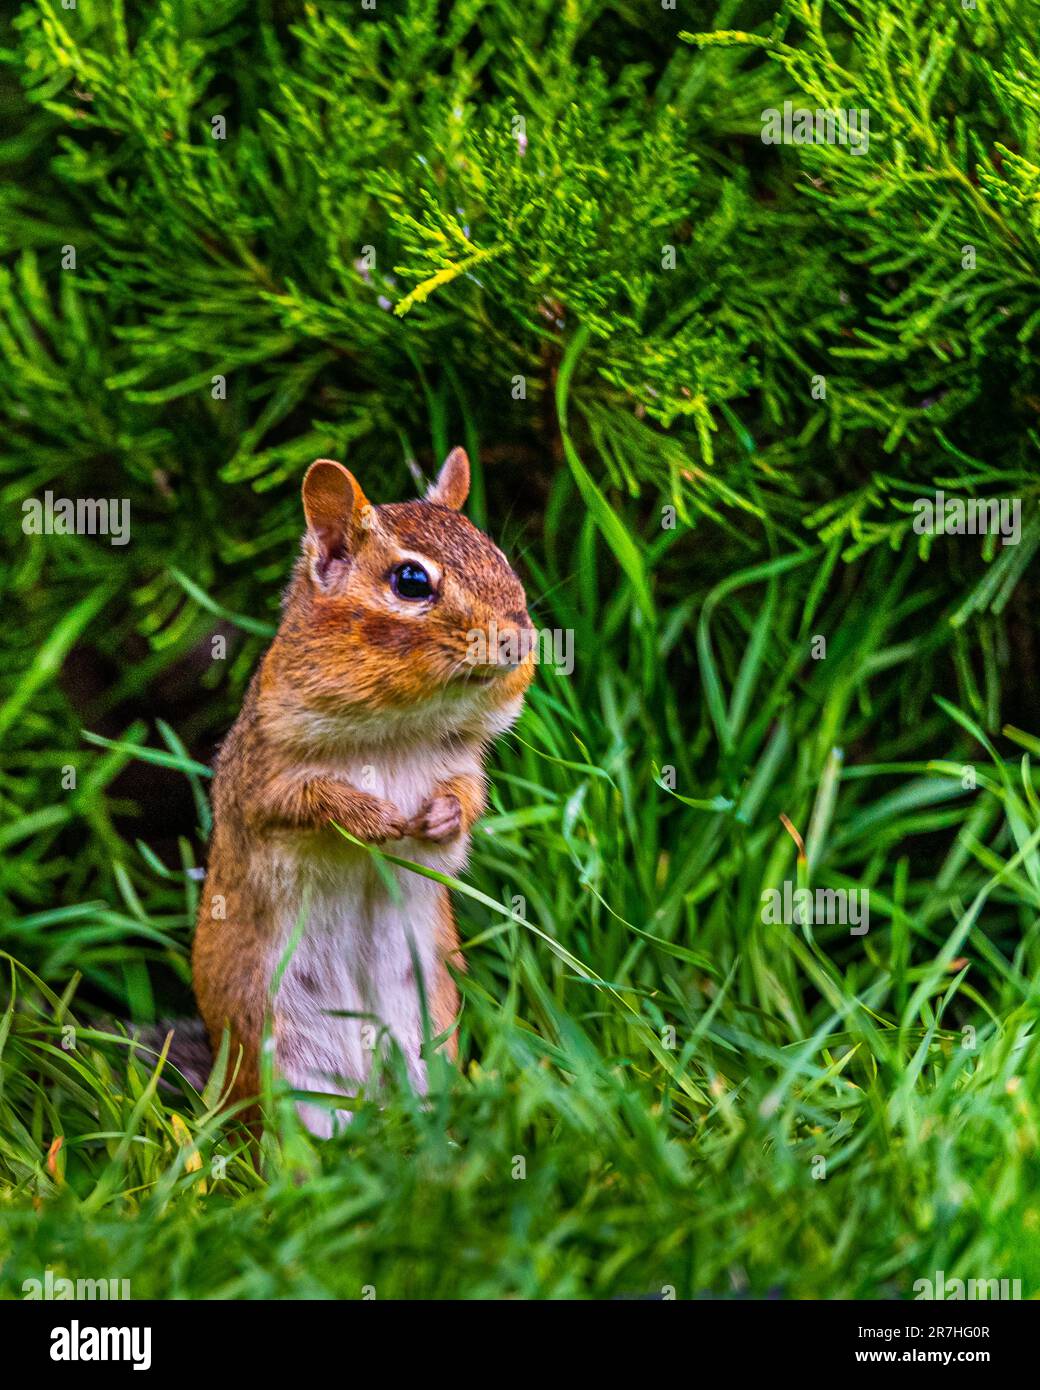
x=667, y=1069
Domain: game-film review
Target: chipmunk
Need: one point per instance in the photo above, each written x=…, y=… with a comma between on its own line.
x=369, y=712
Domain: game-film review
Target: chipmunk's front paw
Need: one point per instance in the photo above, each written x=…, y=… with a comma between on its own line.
x=440, y=819
x=390, y=827
x=370, y=818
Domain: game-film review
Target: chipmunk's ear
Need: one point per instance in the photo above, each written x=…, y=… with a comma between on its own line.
x=452, y=486
x=335, y=508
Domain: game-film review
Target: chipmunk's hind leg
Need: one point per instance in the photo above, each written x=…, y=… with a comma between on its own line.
x=229, y=972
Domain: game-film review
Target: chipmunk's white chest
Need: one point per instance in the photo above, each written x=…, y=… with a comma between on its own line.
x=404, y=777
x=352, y=978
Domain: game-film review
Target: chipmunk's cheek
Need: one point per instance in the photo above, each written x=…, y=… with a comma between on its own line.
x=407, y=648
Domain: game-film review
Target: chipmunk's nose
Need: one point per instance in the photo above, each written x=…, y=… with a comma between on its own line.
x=502, y=646
x=513, y=649
x=516, y=640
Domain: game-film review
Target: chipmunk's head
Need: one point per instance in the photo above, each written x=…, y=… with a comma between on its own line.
x=405, y=612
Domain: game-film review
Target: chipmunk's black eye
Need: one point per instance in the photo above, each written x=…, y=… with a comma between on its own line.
x=410, y=580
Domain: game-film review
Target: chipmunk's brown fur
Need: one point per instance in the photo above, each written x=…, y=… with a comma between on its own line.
x=367, y=711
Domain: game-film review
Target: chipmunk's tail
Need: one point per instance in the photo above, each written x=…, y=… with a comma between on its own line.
x=189, y=1050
